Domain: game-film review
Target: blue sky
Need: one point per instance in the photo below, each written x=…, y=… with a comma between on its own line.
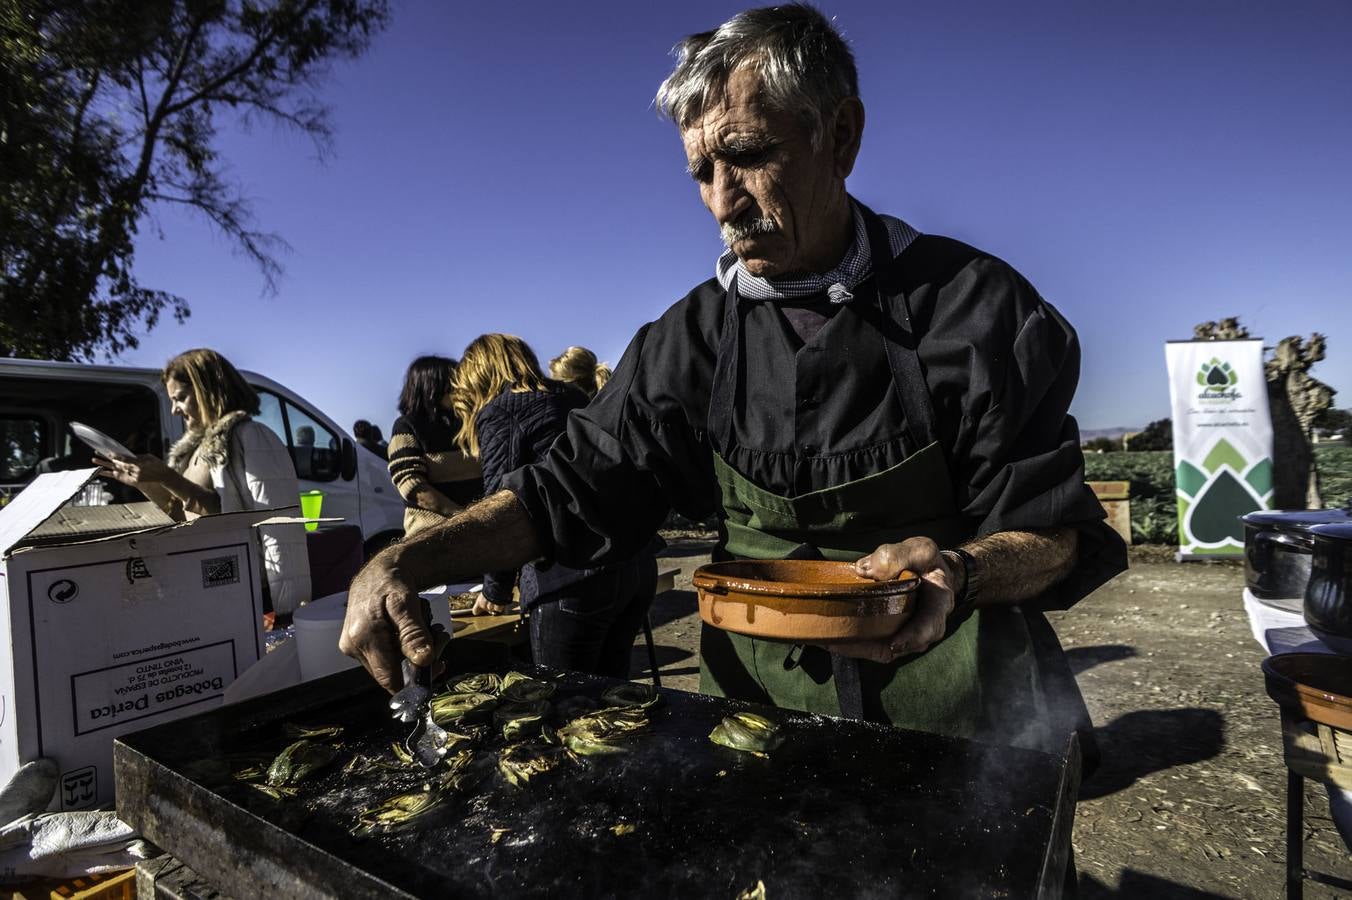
x=499, y=167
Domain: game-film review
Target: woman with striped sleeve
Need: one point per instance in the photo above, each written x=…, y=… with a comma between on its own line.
x=434, y=477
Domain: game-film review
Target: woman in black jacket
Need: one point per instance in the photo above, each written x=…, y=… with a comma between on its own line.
x=580, y=619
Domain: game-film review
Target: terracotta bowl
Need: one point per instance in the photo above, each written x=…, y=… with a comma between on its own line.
x=1318, y=686
x=800, y=600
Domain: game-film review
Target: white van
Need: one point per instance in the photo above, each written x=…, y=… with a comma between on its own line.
x=39, y=400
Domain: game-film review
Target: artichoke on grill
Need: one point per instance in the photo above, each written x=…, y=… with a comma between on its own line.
x=310, y=732
x=299, y=761
x=630, y=694
x=482, y=683
x=519, y=763
x=525, y=689
x=599, y=733
x=518, y=719
x=747, y=732
x=417, y=808
x=448, y=708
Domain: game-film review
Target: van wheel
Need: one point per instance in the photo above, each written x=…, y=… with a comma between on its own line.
x=381, y=541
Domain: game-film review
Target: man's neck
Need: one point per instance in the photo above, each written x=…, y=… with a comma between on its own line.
x=833, y=252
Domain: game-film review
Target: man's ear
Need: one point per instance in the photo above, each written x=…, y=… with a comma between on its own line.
x=847, y=130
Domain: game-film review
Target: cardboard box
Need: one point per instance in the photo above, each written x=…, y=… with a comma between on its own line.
x=100, y=636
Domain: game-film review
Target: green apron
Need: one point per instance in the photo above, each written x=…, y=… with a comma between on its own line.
x=980, y=678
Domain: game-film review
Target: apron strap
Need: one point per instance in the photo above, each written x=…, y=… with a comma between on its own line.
x=727, y=370
x=899, y=341
x=844, y=669
x=849, y=689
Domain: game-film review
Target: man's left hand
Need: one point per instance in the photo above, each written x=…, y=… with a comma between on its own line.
x=933, y=599
x=485, y=607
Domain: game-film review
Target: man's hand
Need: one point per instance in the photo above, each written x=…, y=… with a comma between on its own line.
x=485, y=607
x=384, y=623
x=933, y=598
x=384, y=612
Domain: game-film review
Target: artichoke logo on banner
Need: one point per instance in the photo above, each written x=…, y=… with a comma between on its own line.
x=1222, y=442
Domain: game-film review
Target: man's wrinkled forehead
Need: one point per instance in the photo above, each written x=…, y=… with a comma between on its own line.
x=741, y=115
x=742, y=88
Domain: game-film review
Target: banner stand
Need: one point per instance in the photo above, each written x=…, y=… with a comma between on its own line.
x=1222, y=442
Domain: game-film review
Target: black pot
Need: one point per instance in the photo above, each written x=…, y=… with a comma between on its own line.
x=1277, y=552
x=1328, y=596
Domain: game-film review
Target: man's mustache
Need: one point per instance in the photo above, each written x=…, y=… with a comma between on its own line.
x=745, y=227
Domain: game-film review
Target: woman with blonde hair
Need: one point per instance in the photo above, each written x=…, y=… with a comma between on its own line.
x=578, y=366
x=580, y=619
x=224, y=462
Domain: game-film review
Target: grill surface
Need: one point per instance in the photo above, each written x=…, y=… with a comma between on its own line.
x=841, y=809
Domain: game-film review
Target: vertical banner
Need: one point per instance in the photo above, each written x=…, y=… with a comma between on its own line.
x=1222, y=442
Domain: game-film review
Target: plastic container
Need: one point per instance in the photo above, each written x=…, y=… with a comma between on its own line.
x=311, y=502
x=318, y=625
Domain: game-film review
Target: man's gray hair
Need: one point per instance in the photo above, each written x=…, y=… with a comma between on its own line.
x=805, y=66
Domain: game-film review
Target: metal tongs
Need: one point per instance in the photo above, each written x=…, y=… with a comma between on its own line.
x=428, y=741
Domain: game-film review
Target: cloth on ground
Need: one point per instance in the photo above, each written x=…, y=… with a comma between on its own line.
x=68, y=844
x=29, y=791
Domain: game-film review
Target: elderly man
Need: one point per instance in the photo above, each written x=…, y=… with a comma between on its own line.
x=846, y=387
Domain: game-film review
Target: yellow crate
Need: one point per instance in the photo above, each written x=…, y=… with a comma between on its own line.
x=110, y=886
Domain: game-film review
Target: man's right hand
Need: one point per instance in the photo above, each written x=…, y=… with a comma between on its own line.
x=385, y=620
x=384, y=623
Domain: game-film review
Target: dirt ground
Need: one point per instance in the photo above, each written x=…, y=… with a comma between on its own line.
x=1190, y=799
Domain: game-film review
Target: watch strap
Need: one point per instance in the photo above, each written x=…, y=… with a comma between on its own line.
x=965, y=600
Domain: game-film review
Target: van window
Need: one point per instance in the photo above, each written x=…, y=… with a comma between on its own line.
x=315, y=450
x=22, y=439
x=270, y=413
x=35, y=417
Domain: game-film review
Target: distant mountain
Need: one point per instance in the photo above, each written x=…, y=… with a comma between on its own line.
x=1088, y=434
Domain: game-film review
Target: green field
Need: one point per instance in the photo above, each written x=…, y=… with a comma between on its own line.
x=1154, y=518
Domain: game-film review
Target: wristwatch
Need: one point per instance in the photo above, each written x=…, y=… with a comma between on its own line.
x=965, y=600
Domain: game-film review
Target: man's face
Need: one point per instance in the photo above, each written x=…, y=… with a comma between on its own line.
x=777, y=201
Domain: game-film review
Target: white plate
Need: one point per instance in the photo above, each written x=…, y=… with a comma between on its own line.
x=100, y=442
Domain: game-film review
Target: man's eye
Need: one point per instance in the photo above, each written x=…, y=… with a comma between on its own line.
x=701, y=171
x=749, y=159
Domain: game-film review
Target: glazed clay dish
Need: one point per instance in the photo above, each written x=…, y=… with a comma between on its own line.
x=806, y=601
x=1318, y=686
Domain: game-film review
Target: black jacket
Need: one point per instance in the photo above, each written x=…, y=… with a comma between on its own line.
x=515, y=429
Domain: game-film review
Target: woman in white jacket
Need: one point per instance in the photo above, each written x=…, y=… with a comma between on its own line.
x=225, y=462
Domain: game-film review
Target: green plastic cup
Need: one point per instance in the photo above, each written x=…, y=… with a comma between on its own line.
x=310, y=504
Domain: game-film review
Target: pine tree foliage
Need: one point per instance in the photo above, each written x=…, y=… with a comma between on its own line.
x=108, y=108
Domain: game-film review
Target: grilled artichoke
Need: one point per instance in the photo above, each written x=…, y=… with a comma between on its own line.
x=525, y=689
x=747, y=732
x=401, y=811
x=630, y=694
x=417, y=808
x=298, y=761
x=599, y=733
x=483, y=683
x=519, y=763
x=518, y=719
x=310, y=732
x=448, y=708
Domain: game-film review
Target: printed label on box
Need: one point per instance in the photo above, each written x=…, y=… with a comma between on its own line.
x=79, y=788
x=102, y=698
x=220, y=570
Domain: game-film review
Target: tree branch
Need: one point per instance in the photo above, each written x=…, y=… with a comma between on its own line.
x=239, y=69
